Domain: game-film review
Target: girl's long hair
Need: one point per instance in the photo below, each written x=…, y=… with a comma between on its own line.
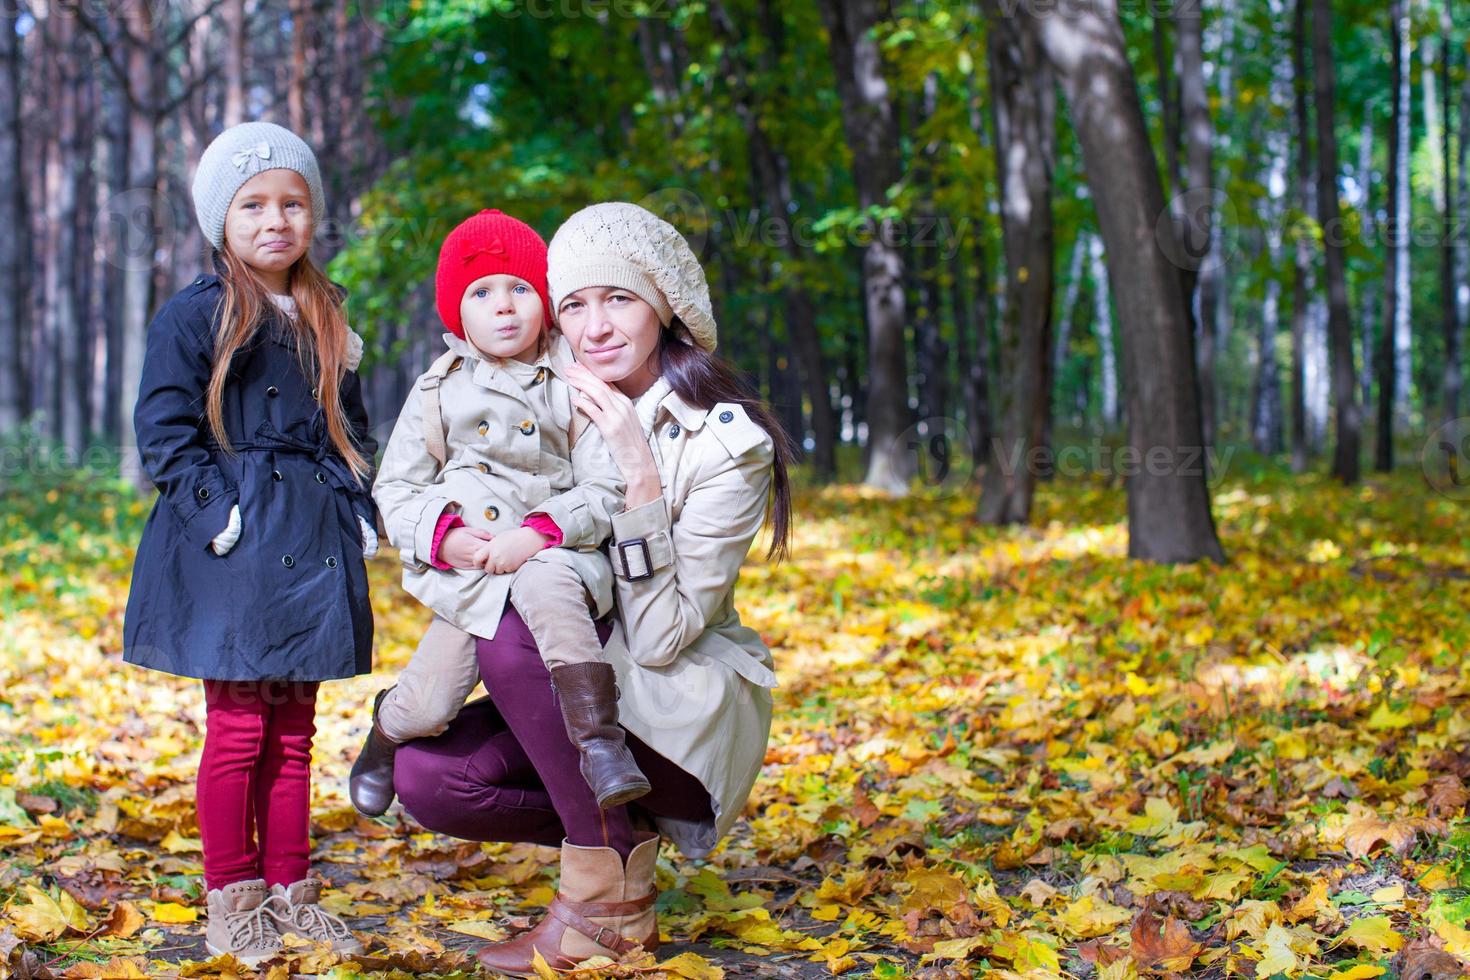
x=320, y=330
x=703, y=379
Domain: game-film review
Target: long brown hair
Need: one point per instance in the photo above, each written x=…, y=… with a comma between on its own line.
x=702, y=379
x=320, y=330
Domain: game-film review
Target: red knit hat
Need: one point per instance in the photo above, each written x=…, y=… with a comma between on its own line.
x=487, y=244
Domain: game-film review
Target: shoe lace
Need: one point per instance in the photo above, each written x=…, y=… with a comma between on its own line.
x=250, y=927
x=314, y=920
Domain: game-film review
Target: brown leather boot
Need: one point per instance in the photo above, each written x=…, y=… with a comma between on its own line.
x=371, y=782
x=588, y=694
x=603, y=907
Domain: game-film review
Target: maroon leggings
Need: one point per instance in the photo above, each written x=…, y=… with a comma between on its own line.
x=506, y=771
x=254, y=789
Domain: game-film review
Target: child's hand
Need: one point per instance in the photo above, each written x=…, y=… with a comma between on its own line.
x=509, y=551
x=459, y=546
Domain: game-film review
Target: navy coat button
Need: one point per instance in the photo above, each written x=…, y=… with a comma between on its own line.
x=287, y=560
x=276, y=475
x=674, y=431
x=316, y=392
x=321, y=478
x=727, y=416
x=483, y=427
x=491, y=513
x=527, y=427
x=273, y=391
x=203, y=493
x=484, y=467
x=331, y=562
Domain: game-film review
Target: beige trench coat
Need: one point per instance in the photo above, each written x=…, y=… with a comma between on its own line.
x=508, y=454
x=695, y=682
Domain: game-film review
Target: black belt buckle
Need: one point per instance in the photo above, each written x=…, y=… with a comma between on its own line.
x=623, y=547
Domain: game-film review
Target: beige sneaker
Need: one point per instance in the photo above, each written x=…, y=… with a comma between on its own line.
x=294, y=908
x=240, y=923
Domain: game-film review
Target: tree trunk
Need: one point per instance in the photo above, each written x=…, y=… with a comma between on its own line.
x=1266, y=409
x=1102, y=318
x=933, y=356
x=872, y=135
x=969, y=355
x=1197, y=228
x=1303, y=286
x=1022, y=91
x=1462, y=238
x=233, y=14
x=1450, y=404
x=1396, y=306
x=137, y=298
x=62, y=177
x=1368, y=294
x=1339, y=323
x=1169, y=517
x=768, y=171
x=300, y=45
x=12, y=216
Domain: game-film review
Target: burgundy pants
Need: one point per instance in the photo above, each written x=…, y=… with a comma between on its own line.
x=506, y=771
x=254, y=789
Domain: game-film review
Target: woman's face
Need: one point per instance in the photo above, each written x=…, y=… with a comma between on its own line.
x=614, y=333
x=268, y=224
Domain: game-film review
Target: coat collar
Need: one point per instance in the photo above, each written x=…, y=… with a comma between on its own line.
x=498, y=373
x=661, y=399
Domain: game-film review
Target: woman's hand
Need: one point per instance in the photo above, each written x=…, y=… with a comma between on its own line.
x=458, y=547
x=616, y=418
x=509, y=551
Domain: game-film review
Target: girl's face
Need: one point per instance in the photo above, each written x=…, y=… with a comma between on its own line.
x=503, y=316
x=268, y=225
x=614, y=333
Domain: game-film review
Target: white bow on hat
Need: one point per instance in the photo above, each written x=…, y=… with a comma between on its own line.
x=248, y=160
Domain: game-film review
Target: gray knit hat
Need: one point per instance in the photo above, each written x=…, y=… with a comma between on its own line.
x=629, y=247
x=240, y=153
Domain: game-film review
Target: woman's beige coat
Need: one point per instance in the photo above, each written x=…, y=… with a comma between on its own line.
x=506, y=434
x=695, y=682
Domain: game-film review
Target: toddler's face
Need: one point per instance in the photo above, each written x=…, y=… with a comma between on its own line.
x=502, y=316
x=268, y=224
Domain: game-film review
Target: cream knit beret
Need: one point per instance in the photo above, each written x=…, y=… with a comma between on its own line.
x=628, y=247
x=240, y=153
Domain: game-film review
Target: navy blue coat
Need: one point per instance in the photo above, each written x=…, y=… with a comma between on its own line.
x=290, y=600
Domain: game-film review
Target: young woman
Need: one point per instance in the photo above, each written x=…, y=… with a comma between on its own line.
x=705, y=466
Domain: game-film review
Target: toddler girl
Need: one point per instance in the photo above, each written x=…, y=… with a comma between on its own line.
x=494, y=490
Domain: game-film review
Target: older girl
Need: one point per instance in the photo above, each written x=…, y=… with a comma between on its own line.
x=705, y=465
x=250, y=572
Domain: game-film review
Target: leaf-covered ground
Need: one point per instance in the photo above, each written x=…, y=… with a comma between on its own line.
x=1013, y=753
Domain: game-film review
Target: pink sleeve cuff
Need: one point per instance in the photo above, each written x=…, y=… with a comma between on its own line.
x=544, y=524
x=447, y=522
